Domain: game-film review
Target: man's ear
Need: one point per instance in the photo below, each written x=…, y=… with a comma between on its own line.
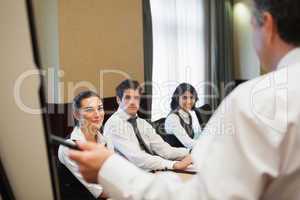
x=269, y=27
x=118, y=100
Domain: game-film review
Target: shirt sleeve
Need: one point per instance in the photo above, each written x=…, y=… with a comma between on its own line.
x=136, y=184
x=95, y=189
x=161, y=147
x=236, y=159
x=118, y=132
x=109, y=143
x=173, y=126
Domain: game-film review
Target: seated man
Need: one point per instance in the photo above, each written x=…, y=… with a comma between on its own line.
x=136, y=139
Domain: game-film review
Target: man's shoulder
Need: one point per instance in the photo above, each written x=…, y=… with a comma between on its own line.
x=266, y=84
x=262, y=95
x=172, y=117
x=144, y=121
x=250, y=96
x=114, y=121
x=115, y=117
x=248, y=89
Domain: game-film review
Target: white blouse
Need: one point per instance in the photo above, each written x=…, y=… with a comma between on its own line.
x=63, y=157
x=173, y=126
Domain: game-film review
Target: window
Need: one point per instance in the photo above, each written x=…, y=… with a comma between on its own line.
x=179, y=50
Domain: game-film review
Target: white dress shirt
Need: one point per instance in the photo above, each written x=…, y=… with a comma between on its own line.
x=63, y=157
x=250, y=147
x=126, y=143
x=173, y=126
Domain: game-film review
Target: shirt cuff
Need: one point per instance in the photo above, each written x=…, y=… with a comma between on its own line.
x=168, y=164
x=96, y=190
x=116, y=175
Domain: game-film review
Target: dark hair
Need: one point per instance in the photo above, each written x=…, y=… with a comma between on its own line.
x=180, y=90
x=127, y=84
x=286, y=15
x=78, y=99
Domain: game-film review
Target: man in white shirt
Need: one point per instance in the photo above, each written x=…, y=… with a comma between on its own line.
x=252, y=144
x=135, y=138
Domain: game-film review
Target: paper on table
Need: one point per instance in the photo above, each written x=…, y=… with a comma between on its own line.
x=191, y=168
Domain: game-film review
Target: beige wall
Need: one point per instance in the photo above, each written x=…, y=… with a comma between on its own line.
x=22, y=145
x=245, y=60
x=97, y=35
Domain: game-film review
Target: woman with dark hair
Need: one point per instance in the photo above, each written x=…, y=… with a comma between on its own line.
x=88, y=113
x=183, y=121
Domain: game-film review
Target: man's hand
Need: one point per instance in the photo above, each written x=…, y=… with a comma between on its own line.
x=184, y=163
x=90, y=159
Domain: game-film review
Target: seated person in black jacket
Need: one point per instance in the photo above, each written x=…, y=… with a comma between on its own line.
x=185, y=120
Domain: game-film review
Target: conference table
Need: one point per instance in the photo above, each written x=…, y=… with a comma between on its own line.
x=184, y=175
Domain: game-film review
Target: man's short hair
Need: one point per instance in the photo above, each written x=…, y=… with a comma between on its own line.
x=127, y=84
x=286, y=15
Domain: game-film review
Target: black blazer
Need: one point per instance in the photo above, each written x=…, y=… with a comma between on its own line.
x=203, y=114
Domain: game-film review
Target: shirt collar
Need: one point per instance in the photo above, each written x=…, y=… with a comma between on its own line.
x=184, y=113
x=292, y=57
x=123, y=114
x=77, y=134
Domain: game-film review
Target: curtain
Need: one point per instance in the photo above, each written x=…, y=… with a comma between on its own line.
x=221, y=68
x=180, y=50
x=148, y=56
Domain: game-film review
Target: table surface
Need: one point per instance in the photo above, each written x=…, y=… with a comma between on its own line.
x=183, y=176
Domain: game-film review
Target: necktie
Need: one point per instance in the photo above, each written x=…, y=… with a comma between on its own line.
x=190, y=127
x=142, y=143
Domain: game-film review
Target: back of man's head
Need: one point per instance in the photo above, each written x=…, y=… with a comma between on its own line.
x=286, y=15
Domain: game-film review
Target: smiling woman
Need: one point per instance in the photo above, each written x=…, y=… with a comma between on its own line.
x=88, y=112
x=184, y=121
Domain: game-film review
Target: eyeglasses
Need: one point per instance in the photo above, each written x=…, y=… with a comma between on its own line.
x=92, y=110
